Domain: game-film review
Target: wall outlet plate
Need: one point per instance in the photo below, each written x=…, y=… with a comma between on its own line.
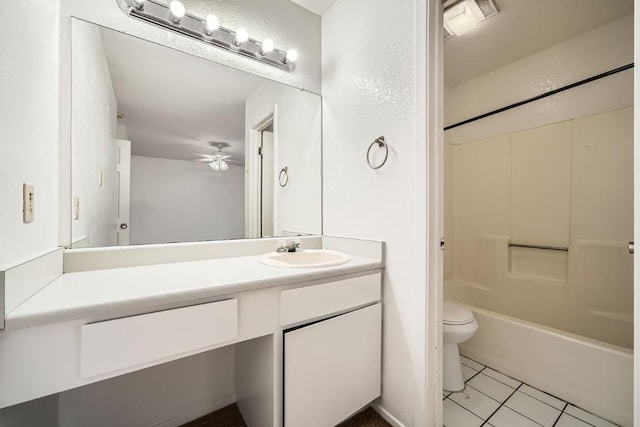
x=28, y=202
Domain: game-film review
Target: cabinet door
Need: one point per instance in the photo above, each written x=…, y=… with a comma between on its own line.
x=332, y=368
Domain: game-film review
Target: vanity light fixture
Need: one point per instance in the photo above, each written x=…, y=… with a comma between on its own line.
x=462, y=16
x=175, y=18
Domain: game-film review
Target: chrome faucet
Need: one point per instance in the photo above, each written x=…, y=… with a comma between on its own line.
x=292, y=246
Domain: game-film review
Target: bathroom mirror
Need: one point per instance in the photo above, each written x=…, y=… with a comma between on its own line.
x=168, y=147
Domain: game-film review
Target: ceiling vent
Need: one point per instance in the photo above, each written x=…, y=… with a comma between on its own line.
x=462, y=16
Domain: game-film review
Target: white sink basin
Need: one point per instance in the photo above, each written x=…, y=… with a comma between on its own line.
x=308, y=258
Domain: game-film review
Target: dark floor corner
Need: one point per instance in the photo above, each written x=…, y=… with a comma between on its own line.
x=366, y=418
x=230, y=416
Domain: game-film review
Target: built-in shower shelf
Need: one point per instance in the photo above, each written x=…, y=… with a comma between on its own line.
x=539, y=263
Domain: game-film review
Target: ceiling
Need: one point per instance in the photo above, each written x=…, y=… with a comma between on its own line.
x=522, y=28
x=175, y=104
x=319, y=7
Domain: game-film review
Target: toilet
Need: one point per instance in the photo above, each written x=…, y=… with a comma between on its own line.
x=458, y=325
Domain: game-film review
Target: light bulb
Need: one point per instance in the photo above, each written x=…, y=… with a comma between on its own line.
x=212, y=24
x=241, y=36
x=176, y=11
x=138, y=4
x=291, y=56
x=267, y=46
x=219, y=165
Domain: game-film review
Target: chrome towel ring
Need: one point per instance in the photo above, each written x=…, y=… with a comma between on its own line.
x=283, y=177
x=381, y=143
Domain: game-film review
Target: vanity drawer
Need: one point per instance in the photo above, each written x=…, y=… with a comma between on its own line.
x=122, y=343
x=316, y=301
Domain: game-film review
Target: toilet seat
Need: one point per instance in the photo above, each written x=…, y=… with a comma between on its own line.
x=453, y=314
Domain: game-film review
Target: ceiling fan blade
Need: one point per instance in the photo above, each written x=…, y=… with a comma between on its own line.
x=203, y=160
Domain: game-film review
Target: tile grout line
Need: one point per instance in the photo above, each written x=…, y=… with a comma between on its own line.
x=560, y=415
x=501, y=382
x=542, y=401
x=485, y=394
x=501, y=405
x=580, y=419
x=468, y=410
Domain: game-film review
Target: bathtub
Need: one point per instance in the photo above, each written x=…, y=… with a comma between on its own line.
x=595, y=376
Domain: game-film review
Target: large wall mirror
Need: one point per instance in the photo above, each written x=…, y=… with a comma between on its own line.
x=169, y=147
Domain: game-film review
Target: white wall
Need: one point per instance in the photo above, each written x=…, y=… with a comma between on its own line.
x=93, y=139
x=182, y=201
x=562, y=64
x=29, y=63
x=298, y=206
x=369, y=90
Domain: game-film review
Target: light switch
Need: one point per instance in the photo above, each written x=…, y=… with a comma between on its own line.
x=76, y=207
x=28, y=201
x=100, y=178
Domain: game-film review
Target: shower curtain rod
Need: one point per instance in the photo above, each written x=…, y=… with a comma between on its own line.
x=543, y=95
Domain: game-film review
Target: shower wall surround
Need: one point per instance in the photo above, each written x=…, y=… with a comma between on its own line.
x=567, y=184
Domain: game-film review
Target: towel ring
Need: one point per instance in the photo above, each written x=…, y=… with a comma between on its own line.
x=381, y=143
x=284, y=176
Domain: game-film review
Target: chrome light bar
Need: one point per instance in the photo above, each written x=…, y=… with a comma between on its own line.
x=175, y=18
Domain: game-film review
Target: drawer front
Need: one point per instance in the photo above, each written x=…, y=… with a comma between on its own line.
x=122, y=343
x=311, y=302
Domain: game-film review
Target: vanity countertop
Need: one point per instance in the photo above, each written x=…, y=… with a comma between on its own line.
x=99, y=294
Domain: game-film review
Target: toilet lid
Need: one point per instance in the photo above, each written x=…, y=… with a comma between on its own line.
x=453, y=314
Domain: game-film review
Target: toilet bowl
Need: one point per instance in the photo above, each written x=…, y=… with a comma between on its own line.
x=458, y=325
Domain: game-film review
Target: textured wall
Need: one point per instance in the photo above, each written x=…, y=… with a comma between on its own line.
x=28, y=127
x=93, y=151
x=181, y=201
x=289, y=25
x=368, y=92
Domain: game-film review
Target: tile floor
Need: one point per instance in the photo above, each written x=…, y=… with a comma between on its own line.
x=496, y=400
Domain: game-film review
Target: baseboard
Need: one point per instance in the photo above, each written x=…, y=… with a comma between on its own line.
x=386, y=415
x=198, y=412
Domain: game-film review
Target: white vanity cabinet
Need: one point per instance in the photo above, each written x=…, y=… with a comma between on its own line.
x=332, y=367
x=306, y=342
